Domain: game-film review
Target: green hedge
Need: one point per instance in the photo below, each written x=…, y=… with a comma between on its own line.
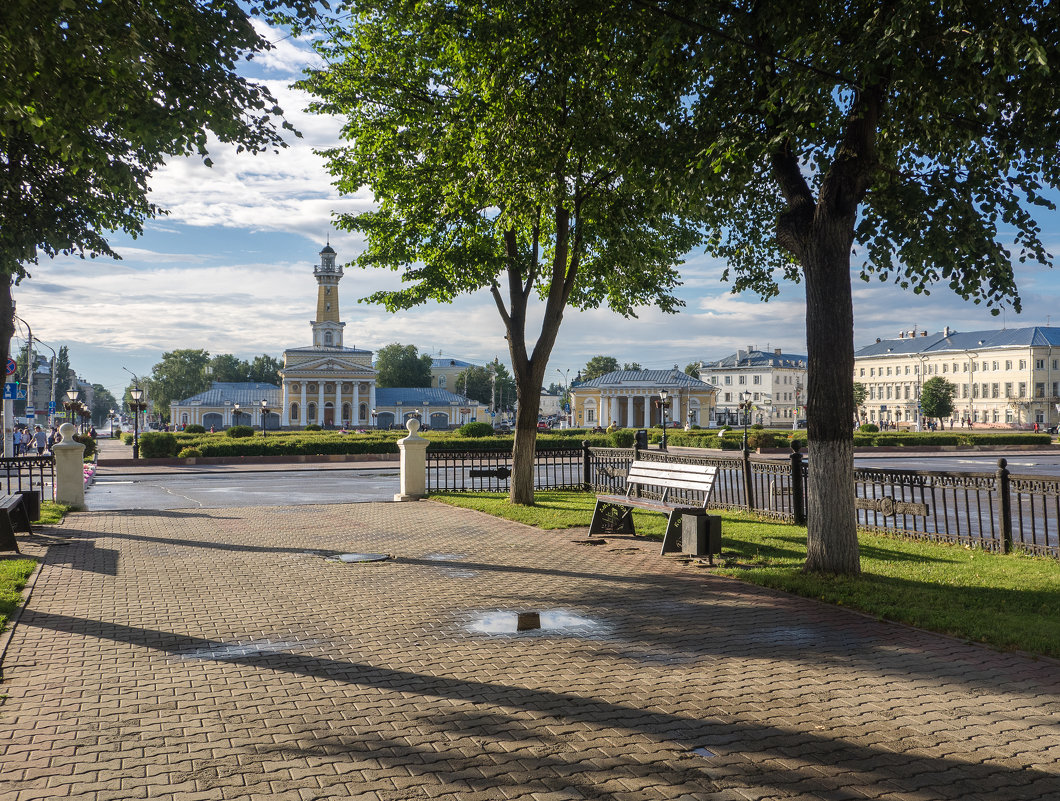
x=158, y=445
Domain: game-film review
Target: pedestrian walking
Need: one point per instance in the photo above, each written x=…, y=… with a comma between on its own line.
x=40, y=440
x=24, y=440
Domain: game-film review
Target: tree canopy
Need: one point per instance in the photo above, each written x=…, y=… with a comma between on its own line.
x=402, y=366
x=915, y=138
x=262, y=369
x=511, y=151
x=180, y=374
x=598, y=366
x=936, y=397
x=492, y=385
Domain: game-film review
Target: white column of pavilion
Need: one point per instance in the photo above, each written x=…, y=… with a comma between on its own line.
x=301, y=408
x=320, y=403
x=355, y=411
x=285, y=406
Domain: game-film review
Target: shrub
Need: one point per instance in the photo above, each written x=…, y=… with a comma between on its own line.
x=475, y=430
x=868, y=428
x=622, y=438
x=189, y=453
x=127, y=439
x=761, y=439
x=88, y=442
x=158, y=445
x=194, y=428
x=312, y=427
x=239, y=432
x=757, y=427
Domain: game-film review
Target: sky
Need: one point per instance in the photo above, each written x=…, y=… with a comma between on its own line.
x=230, y=270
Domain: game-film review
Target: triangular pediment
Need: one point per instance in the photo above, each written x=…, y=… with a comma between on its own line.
x=331, y=364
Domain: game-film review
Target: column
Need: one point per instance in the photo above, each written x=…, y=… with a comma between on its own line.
x=320, y=403
x=629, y=412
x=371, y=398
x=285, y=406
x=676, y=417
x=338, y=403
x=356, y=410
x=301, y=408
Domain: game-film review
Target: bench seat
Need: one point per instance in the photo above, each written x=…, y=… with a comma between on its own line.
x=14, y=516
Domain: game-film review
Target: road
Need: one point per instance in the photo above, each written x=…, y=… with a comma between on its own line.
x=231, y=488
x=1043, y=464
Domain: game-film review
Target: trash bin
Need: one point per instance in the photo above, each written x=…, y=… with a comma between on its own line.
x=641, y=438
x=31, y=502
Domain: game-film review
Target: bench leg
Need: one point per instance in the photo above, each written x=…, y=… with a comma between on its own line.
x=672, y=538
x=611, y=519
x=7, y=534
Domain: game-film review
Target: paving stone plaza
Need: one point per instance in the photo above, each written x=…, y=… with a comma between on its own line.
x=227, y=654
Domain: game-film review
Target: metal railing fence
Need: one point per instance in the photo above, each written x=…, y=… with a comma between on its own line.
x=21, y=473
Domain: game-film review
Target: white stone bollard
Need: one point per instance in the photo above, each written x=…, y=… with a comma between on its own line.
x=69, y=468
x=413, y=450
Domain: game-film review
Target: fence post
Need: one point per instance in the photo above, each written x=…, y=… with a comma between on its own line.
x=587, y=468
x=748, y=486
x=69, y=468
x=413, y=449
x=797, y=506
x=1005, y=504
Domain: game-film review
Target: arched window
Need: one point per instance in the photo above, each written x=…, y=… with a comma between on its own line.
x=441, y=380
x=311, y=413
x=184, y=418
x=363, y=415
x=294, y=412
x=346, y=413
x=328, y=339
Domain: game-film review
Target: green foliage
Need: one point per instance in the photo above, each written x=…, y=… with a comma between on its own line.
x=89, y=443
x=868, y=428
x=761, y=439
x=189, y=453
x=475, y=430
x=13, y=576
x=103, y=401
x=180, y=374
x=622, y=438
x=195, y=428
x=127, y=439
x=227, y=368
x=598, y=366
x=239, y=432
x=402, y=366
x=936, y=397
x=486, y=384
x=757, y=427
x=313, y=427
x=860, y=394
x=158, y=445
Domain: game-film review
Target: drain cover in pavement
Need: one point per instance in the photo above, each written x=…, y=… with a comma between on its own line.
x=514, y=622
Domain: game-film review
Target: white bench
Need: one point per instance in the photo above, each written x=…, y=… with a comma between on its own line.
x=614, y=513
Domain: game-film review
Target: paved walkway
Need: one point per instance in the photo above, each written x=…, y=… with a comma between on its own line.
x=216, y=654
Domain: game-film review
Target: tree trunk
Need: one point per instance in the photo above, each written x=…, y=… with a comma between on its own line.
x=523, y=453
x=832, y=543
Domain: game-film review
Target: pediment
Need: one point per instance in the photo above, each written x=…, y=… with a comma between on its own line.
x=331, y=364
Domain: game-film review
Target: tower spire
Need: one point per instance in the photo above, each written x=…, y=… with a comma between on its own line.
x=327, y=327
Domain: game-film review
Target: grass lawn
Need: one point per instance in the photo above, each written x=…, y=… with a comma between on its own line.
x=1009, y=602
x=15, y=570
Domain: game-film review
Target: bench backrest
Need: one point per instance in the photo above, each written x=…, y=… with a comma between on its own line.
x=672, y=475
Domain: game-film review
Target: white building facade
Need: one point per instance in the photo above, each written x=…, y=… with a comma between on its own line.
x=773, y=382
x=1004, y=379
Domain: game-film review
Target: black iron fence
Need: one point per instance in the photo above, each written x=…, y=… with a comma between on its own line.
x=22, y=473
x=996, y=511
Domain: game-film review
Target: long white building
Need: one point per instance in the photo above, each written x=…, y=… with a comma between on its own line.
x=774, y=382
x=1005, y=379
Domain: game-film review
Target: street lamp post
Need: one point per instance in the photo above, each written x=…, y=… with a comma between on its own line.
x=565, y=375
x=663, y=403
x=111, y=418
x=264, y=416
x=745, y=408
x=235, y=414
x=375, y=414
x=136, y=393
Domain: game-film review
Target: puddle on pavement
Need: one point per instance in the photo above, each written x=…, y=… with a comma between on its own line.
x=555, y=621
x=445, y=557
x=703, y=752
x=241, y=650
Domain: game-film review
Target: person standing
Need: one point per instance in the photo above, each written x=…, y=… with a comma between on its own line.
x=26, y=439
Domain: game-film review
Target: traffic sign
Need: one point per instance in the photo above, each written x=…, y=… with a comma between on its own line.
x=51, y=406
x=30, y=413
x=11, y=366
x=12, y=391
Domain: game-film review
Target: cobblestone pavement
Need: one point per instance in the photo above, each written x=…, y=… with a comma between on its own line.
x=217, y=654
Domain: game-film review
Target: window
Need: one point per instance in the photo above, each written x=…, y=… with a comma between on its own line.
x=1008, y=415
x=965, y=393
x=741, y=379
x=888, y=371
x=888, y=392
x=1008, y=389
x=441, y=380
x=1022, y=389
x=1056, y=365
x=907, y=369
x=965, y=367
x=862, y=373
x=757, y=396
x=995, y=365
x=1039, y=417
x=1039, y=390
x=294, y=412
x=872, y=371
x=955, y=367
x=728, y=380
x=1039, y=364
x=1023, y=364
x=975, y=390
x=728, y=397
x=311, y=413
x=945, y=367
x=986, y=391
x=995, y=390
x=328, y=339
x=1008, y=364
x=590, y=415
x=872, y=393
x=714, y=380
x=1056, y=388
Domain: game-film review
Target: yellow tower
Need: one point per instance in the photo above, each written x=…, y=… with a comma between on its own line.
x=327, y=327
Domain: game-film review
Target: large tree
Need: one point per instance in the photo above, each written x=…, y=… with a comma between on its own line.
x=913, y=137
x=402, y=366
x=103, y=402
x=511, y=147
x=598, y=366
x=180, y=374
x=95, y=96
x=936, y=398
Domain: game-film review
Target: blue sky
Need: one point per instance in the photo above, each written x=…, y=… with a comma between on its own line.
x=230, y=271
